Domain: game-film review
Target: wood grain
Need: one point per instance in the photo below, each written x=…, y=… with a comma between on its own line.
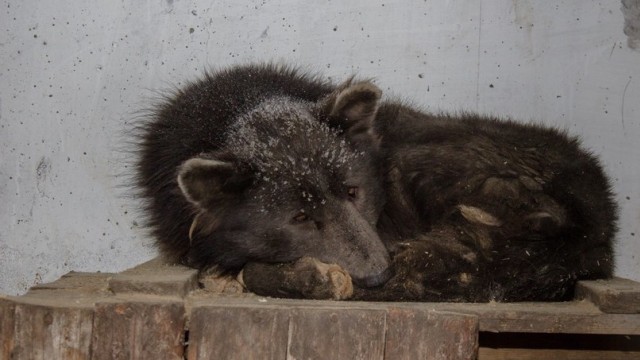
x=423, y=334
x=138, y=330
x=336, y=334
x=225, y=332
x=616, y=296
x=46, y=332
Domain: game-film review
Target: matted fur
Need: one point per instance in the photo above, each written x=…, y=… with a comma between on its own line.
x=275, y=165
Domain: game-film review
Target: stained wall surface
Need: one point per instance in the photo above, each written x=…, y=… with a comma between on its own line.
x=73, y=74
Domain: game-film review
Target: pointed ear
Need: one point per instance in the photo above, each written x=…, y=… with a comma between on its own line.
x=210, y=184
x=353, y=107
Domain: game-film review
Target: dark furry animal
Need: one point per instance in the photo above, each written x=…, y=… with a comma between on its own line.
x=263, y=164
x=260, y=163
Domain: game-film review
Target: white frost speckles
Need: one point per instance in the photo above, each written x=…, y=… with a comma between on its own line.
x=290, y=149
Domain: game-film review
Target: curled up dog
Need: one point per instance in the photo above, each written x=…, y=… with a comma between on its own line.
x=270, y=170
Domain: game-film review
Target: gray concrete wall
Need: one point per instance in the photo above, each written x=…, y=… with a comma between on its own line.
x=73, y=73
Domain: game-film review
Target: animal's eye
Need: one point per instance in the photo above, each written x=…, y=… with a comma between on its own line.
x=352, y=192
x=301, y=217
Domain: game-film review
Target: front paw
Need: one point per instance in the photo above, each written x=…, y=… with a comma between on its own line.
x=318, y=280
x=306, y=278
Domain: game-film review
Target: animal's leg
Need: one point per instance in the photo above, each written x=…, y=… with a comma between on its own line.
x=306, y=278
x=433, y=267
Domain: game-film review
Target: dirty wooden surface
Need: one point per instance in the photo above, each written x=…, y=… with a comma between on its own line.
x=163, y=312
x=51, y=332
x=424, y=334
x=336, y=334
x=617, y=296
x=528, y=346
x=7, y=326
x=138, y=329
x=238, y=333
x=155, y=278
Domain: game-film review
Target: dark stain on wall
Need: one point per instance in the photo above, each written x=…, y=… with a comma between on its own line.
x=631, y=11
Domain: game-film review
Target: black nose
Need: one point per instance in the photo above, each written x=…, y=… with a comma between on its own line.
x=374, y=280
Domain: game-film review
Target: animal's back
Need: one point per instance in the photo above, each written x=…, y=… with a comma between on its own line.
x=529, y=209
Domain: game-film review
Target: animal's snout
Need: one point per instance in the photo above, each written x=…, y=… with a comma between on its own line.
x=374, y=280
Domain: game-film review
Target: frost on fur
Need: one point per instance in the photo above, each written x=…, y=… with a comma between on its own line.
x=260, y=166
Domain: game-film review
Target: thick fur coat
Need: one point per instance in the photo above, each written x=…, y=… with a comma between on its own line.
x=264, y=164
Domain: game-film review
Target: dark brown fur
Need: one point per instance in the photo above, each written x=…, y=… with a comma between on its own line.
x=490, y=209
x=256, y=164
x=469, y=208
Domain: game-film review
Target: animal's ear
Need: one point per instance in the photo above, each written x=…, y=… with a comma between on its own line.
x=353, y=108
x=211, y=184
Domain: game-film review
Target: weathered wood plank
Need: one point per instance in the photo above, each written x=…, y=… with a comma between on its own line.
x=617, y=296
x=337, y=333
x=422, y=334
x=54, y=320
x=46, y=331
x=555, y=354
x=155, y=277
x=577, y=317
x=218, y=332
x=558, y=346
x=138, y=330
x=94, y=283
x=7, y=316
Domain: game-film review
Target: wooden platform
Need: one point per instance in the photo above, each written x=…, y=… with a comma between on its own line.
x=156, y=311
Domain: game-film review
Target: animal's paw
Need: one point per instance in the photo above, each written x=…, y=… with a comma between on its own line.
x=318, y=280
x=305, y=278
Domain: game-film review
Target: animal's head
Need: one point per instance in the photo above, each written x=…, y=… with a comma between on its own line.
x=294, y=179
